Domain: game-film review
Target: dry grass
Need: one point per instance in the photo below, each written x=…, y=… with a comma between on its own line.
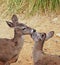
x=40, y=23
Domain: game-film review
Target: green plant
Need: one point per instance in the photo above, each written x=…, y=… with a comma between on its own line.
x=33, y=6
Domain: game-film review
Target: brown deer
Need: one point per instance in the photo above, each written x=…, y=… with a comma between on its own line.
x=10, y=48
x=39, y=57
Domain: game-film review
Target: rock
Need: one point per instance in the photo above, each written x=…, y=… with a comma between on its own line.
x=58, y=34
x=55, y=19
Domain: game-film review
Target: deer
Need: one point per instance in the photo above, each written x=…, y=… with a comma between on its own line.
x=39, y=57
x=10, y=48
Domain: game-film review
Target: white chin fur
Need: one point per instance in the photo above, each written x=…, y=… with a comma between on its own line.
x=36, y=36
x=31, y=31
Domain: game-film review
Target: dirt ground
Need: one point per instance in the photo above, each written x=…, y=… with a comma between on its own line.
x=41, y=24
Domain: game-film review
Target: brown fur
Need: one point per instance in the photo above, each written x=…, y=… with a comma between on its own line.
x=10, y=48
x=39, y=57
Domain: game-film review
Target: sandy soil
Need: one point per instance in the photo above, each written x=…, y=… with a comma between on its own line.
x=41, y=24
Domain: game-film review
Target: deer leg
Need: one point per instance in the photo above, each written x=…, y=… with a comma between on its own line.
x=12, y=60
x=7, y=63
x=1, y=63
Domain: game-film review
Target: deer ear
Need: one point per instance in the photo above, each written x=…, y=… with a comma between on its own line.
x=10, y=24
x=43, y=36
x=49, y=35
x=14, y=19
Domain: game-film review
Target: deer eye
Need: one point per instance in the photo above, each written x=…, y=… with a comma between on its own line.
x=42, y=35
x=23, y=28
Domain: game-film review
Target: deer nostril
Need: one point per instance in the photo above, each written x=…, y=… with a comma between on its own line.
x=34, y=30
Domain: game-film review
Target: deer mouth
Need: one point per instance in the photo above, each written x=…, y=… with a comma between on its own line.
x=33, y=31
x=34, y=34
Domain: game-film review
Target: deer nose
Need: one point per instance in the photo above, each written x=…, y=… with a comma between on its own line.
x=34, y=30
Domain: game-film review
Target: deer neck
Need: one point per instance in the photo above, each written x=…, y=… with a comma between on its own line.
x=18, y=38
x=38, y=46
x=38, y=51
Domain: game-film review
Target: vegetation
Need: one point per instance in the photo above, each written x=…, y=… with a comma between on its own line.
x=31, y=6
x=34, y=5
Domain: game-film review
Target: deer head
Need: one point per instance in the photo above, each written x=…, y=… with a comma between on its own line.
x=40, y=38
x=19, y=28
